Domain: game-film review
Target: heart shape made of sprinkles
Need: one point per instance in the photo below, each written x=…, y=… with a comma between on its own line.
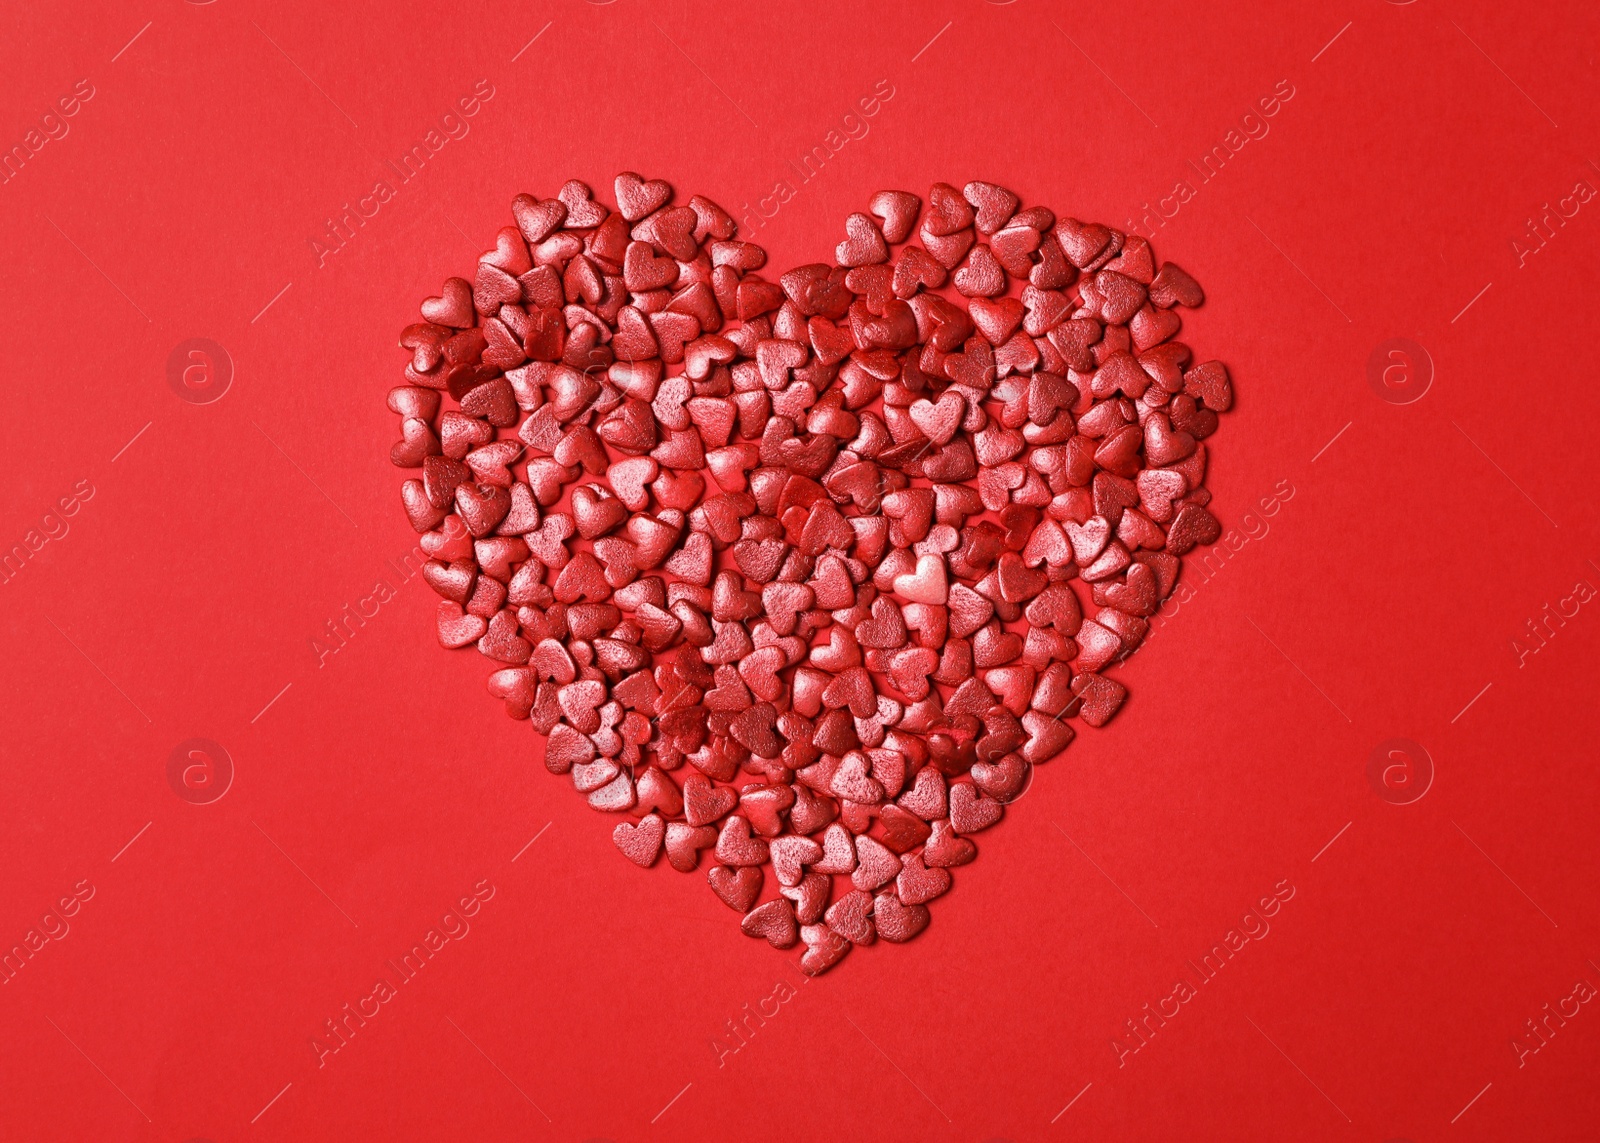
x=799, y=579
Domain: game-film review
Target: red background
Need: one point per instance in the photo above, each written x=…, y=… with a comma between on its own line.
x=384, y=783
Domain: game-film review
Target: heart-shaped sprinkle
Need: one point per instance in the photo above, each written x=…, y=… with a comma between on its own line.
x=637, y=198
x=810, y=897
x=453, y=306
x=918, y=884
x=775, y=921
x=851, y=917
x=738, y=888
x=640, y=843
x=895, y=921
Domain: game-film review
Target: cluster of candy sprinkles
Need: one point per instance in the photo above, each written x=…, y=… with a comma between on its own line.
x=808, y=573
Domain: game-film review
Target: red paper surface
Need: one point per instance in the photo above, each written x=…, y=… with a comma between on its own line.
x=1426, y=174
